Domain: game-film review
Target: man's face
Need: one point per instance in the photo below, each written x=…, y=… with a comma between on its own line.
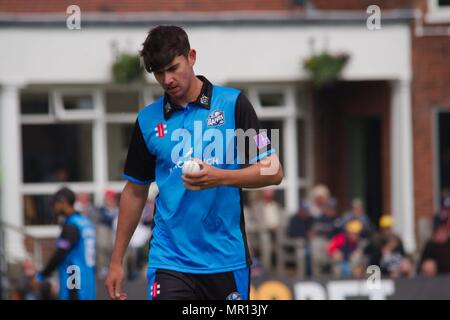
x=59, y=208
x=175, y=78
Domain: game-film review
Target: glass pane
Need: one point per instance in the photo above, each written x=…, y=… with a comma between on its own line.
x=38, y=210
x=82, y=102
x=119, y=136
x=272, y=99
x=444, y=155
x=34, y=103
x=301, y=148
x=276, y=125
x=444, y=3
x=57, y=152
x=122, y=102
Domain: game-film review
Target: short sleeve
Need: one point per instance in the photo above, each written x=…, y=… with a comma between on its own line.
x=257, y=144
x=140, y=163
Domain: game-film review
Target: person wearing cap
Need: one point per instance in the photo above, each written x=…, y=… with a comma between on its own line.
x=384, y=238
x=357, y=213
x=345, y=249
x=74, y=256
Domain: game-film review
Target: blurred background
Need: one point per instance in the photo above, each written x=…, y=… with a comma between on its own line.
x=358, y=89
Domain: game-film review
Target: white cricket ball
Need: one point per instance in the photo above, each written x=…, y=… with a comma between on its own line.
x=191, y=166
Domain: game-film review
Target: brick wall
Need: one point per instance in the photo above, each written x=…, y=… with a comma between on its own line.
x=363, y=4
x=145, y=5
x=430, y=89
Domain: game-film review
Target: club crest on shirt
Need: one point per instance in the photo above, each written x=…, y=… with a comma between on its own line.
x=216, y=118
x=204, y=99
x=161, y=130
x=234, y=296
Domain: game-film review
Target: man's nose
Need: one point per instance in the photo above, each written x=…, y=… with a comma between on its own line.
x=168, y=79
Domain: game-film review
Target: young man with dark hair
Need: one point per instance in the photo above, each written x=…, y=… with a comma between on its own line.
x=199, y=248
x=75, y=251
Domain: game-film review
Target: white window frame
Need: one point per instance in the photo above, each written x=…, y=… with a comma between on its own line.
x=288, y=113
x=62, y=114
x=436, y=13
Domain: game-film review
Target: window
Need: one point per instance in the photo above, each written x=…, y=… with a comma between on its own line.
x=438, y=11
x=119, y=136
x=34, y=103
x=74, y=105
x=443, y=155
x=77, y=102
x=122, y=102
x=57, y=152
x=271, y=99
x=38, y=210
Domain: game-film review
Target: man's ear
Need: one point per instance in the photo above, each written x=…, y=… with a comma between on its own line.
x=192, y=57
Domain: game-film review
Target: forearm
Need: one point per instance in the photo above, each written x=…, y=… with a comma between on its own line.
x=131, y=205
x=53, y=263
x=264, y=173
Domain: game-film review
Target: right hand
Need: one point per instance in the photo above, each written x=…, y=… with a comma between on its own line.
x=114, y=282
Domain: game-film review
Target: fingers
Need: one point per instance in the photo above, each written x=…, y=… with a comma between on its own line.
x=193, y=181
x=118, y=290
x=191, y=187
x=113, y=285
x=110, y=288
x=196, y=175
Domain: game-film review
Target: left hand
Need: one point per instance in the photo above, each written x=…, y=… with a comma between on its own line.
x=208, y=177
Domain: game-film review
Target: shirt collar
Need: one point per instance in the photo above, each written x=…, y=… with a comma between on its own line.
x=203, y=100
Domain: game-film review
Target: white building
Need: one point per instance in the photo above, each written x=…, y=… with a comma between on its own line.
x=62, y=117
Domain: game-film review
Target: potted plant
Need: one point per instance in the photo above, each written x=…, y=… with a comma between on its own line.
x=325, y=68
x=127, y=68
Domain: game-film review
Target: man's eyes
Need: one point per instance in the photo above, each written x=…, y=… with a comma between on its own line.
x=172, y=69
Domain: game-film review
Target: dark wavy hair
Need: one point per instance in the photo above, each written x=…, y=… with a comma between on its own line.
x=162, y=45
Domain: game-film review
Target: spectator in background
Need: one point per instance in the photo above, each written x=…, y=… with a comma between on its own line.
x=436, y=254
x=384, y=239
x=318, y=199
x=29, y=288
x=443, y=216
x=106, y=215
x=407, y=268
x=300, y=224
x=357, y=213
x=264, y=218
x=392, y=255
x=84, y=205
x=271, y=211
x=321, y=208
x=345, y=249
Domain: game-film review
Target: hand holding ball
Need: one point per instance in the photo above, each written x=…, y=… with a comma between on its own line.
x=191, y=166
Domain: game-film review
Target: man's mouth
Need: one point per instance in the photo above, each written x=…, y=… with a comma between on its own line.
x=172, y=89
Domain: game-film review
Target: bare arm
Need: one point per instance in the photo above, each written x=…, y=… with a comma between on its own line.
x=266, y=172
x=132, y=203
